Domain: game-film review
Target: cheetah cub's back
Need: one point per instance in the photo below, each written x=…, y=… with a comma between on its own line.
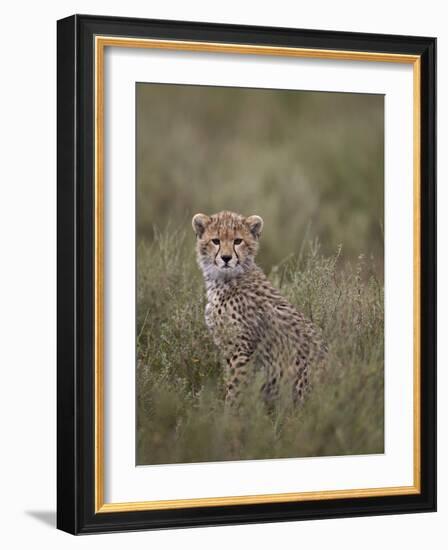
x=250, y=322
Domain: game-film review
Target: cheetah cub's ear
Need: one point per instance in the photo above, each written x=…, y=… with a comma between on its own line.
x=255, y=224
x=199, y=223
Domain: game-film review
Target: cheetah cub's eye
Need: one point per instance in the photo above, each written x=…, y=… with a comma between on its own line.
x=237, y=241
x=215, y=241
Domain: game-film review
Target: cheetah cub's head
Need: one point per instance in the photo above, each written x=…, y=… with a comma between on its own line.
x=226, y=243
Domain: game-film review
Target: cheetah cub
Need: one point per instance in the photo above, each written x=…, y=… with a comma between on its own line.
x=252, y=325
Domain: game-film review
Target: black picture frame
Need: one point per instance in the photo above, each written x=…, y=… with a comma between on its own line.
x=76, y=272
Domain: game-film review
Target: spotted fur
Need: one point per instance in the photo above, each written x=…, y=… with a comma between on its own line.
x=251, y=323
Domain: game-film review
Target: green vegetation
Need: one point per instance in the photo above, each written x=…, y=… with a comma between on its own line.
x=311, y=164
x=181, y=415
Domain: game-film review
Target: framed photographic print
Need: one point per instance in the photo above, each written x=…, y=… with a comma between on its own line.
x=246, y=274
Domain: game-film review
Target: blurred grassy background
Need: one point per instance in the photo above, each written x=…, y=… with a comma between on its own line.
x=311, y=164
x=307, y=162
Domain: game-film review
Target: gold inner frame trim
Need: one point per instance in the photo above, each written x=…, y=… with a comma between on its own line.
x=101, y=42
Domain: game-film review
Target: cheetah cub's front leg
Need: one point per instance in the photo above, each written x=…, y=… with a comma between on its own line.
x=237, y=376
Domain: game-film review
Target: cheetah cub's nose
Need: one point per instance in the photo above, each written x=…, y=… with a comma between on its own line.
x=226, y=259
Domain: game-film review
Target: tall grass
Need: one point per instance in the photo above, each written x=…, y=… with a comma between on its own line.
x=181, y=416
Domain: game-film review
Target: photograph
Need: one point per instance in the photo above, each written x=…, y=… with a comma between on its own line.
x=259, y=273
x=220, y=247
x=246, y=328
